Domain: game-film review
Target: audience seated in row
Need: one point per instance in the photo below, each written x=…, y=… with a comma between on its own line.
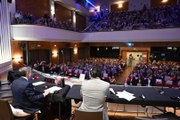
x=155, y=74
x=46, y=20
x=110, y=68
x=156, y=18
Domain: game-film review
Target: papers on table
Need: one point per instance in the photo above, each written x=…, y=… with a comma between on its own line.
x=82, y=77
x=54, y=88
x=73, y=81
x=38, y=83
x=123, y=94
x=126, y=95
x=111, y=90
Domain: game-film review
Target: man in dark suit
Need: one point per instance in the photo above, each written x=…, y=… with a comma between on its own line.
x=24, y=96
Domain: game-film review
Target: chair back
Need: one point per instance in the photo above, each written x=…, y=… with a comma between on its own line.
x=84, y=115
x=5, y=111
x=8, y=112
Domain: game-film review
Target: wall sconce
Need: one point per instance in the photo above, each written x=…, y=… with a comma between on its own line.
x=97, y=49
x=164, y=1
x=120, y=5
x=54, y=53
x=17, y=58
x=75, y=50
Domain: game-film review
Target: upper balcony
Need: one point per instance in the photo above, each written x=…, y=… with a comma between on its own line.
x=42, y=33
x=148, y=25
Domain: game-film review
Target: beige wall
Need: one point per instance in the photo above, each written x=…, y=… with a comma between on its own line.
x=144, y=51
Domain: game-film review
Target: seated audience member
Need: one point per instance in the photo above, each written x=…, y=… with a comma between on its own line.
x=94, y=93
x=112, y=80
x=24, y=96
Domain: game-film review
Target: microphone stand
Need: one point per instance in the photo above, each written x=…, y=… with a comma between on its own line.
x=124, y=86
x=62, y=82
x=64, y=72
x=162, y=90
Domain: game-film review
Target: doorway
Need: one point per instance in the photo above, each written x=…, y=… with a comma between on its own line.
x=140, y=56
x=135, y=57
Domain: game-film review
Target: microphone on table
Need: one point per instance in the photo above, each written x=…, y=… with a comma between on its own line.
x=143, y=102
x=62, y=82
x=142, y=96
x=162, y=87
x=175, y=97
x=124, y=86
x=112, y=90
x=162, y=90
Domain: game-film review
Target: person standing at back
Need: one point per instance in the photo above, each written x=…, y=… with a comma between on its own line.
x=24, y=96
x=94, y=93
x=140, y=58
x=130, y=60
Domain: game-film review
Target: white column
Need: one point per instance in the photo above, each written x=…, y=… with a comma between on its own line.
x=12, y=8
x=74, y=19
x=5, y=46
x=52, y=8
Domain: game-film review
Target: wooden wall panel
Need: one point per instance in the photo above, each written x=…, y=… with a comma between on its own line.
x=52, y=46
x=39, y=55
x=66, y=55
x=114, y=7
x=158, y=3
x=83, y=49
x=80, y=22
x=138, y=44
x=35, y=7
x=75, y=57
x=63, y=14
x=84, y=52
x=17, y=51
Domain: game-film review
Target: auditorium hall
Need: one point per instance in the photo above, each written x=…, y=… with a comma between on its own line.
x=90, y=59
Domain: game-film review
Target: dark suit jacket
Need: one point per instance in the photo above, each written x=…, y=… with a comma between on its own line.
x=24, y=96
